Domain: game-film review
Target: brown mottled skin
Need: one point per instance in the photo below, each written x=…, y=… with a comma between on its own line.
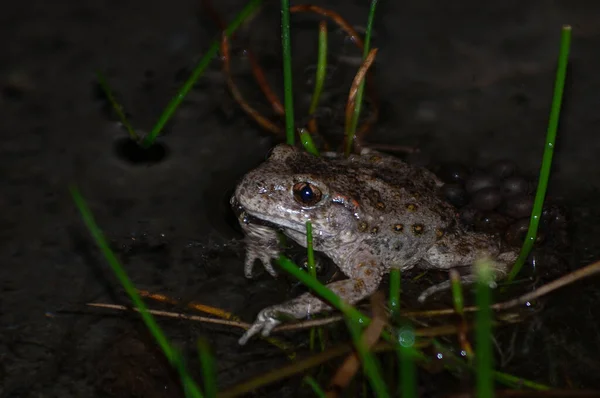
x=369, y=212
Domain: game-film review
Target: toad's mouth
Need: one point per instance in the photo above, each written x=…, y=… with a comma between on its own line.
x=247, y=216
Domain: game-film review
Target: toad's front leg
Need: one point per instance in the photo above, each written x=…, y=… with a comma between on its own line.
x=364, y=280
x=262, y=244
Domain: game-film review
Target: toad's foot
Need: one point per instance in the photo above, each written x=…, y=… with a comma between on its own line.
x=265, y=322
x=264, y=257
x=261, y=244
x=349, y=290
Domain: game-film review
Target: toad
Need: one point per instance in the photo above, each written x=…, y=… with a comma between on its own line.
x=369, y=212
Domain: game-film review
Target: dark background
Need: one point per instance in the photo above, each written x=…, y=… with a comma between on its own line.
x=467, y=80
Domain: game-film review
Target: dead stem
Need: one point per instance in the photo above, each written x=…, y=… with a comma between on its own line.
x=256, y=69
x=565, y=280
x=351, y=365
x=168, y=314
x=425, y=332
x=298, y=367
x=261, y=79
x=541, y=291
x=237, y=95
x=355, y=37
x=266, y=89
x=358, y=79
x=335, y=17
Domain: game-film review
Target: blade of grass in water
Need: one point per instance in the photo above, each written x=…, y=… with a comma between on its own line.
x=116, y=106
x=172, y=356
x=286, y=45
x=369, y=362
x=312, y=270
x=457, y=295
x=321, y=71
x=310, y=253
x=359, y=95
x=406, y=354
x=212, y=51
x=209, y=375
x=307, y=142
x=395, y=280
x=315, y=386
x=483, y=340
x=559, y=84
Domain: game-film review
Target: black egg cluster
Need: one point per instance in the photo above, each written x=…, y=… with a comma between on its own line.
x=499, y=199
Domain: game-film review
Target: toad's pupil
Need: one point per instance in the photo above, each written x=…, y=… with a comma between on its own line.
x=307, y=194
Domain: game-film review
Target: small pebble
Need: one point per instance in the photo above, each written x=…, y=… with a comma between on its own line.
x=515, y=185
x=480, y=180
x=503, y=169
x=490, y=222
x=518, y=207
x=516, y=233
x=453, y=173
x=455, y=194
x=554, y=216
x=487, y=198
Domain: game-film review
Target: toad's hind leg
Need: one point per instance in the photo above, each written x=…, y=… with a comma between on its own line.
x=364, y=281
x=462, y=249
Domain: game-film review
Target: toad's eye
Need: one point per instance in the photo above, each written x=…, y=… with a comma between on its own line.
x=306, y=194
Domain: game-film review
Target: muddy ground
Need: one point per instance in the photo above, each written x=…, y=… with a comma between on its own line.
x=467, y=81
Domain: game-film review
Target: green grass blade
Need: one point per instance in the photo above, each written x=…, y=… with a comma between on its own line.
x=172, y=356
x=307, y=142
x=312, y=269
x=483, y=332
x=394, y=301
x=406, y=354
x=286, y=45
x=212, y=51
x=118, y=108
x=208, y=368
x=319, y=392
x=359, y=94
x=457, y=294
x=321, y=71
x=559, y=84
x=517, y=382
